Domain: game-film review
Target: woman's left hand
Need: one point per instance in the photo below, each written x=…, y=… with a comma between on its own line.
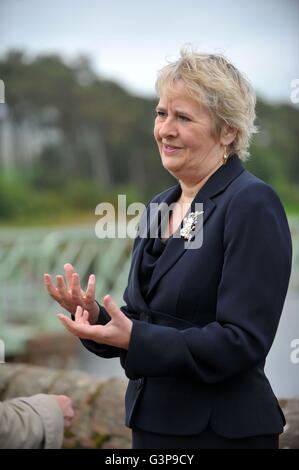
x=117, y=332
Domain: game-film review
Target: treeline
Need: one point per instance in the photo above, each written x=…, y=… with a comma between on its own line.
x=95, y=140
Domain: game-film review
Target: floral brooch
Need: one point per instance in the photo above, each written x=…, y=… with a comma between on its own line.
x=189, y=224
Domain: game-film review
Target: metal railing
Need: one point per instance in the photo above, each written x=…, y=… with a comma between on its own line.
x=26, y=254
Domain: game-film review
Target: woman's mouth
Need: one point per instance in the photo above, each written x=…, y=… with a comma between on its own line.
x=170, y=149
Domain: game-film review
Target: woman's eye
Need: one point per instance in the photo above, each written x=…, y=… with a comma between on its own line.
x=183, y=118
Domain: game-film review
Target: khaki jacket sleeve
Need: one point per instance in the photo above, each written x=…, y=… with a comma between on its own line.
x=34, y=422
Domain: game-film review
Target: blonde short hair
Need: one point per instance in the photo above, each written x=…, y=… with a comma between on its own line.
x=212, y=80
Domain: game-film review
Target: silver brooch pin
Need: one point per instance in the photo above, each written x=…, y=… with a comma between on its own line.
x=189, y=224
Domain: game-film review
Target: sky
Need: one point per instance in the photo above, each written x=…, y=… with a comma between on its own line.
x=129, y=41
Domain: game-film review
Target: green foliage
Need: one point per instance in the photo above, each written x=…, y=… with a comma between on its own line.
x=12, y=191
x=19, y=201
x=97, y=141
x=81, y=195
x=49, y=171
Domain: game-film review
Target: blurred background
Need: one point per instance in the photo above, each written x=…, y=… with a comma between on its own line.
x=76, y=130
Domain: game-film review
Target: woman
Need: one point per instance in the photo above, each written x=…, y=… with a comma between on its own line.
x=198, y=323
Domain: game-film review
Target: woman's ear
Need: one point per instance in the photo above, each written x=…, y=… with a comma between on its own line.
x=228, y=134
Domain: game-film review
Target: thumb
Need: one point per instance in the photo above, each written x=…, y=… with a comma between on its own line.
x=111, y=307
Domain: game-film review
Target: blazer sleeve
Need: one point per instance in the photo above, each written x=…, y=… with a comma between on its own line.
x=34, y=422
x=255, y=275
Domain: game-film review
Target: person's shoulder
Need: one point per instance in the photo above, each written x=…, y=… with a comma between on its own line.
x=250, y=191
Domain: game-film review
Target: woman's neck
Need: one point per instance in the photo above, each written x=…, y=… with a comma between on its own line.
x=191, y=188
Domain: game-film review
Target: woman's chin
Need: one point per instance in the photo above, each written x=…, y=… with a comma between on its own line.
x=172, y=166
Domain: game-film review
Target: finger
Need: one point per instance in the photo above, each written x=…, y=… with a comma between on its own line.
x=90, y=291
x=50, y=287
x=77, y=329
x=83, y=331
x=79, y=314
x=111, y=307
x=61, y=287
x=69, y=271
x=85, y=317
x=76, y=289
x=67, y=323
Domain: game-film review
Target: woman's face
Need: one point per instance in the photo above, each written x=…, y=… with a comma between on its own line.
x=184, y=134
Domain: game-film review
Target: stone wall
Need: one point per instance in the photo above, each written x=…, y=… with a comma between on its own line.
x=99, y=405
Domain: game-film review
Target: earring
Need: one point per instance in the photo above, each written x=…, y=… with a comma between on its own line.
x=224, y=158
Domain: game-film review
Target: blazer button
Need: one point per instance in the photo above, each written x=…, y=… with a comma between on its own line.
x=140, y=383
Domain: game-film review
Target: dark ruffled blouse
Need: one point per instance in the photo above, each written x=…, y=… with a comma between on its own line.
x=151, y=254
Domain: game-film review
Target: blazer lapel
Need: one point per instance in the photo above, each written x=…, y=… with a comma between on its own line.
x=176, y=247
x=147, y=226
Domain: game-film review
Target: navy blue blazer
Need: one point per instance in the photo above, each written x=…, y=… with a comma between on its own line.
x=200, y=339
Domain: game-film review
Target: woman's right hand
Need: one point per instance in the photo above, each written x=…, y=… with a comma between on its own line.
x=69, y=294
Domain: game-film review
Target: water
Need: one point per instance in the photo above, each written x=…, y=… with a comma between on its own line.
x=281, y=372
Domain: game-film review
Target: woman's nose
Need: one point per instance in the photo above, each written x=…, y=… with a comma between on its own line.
x=168, y=128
